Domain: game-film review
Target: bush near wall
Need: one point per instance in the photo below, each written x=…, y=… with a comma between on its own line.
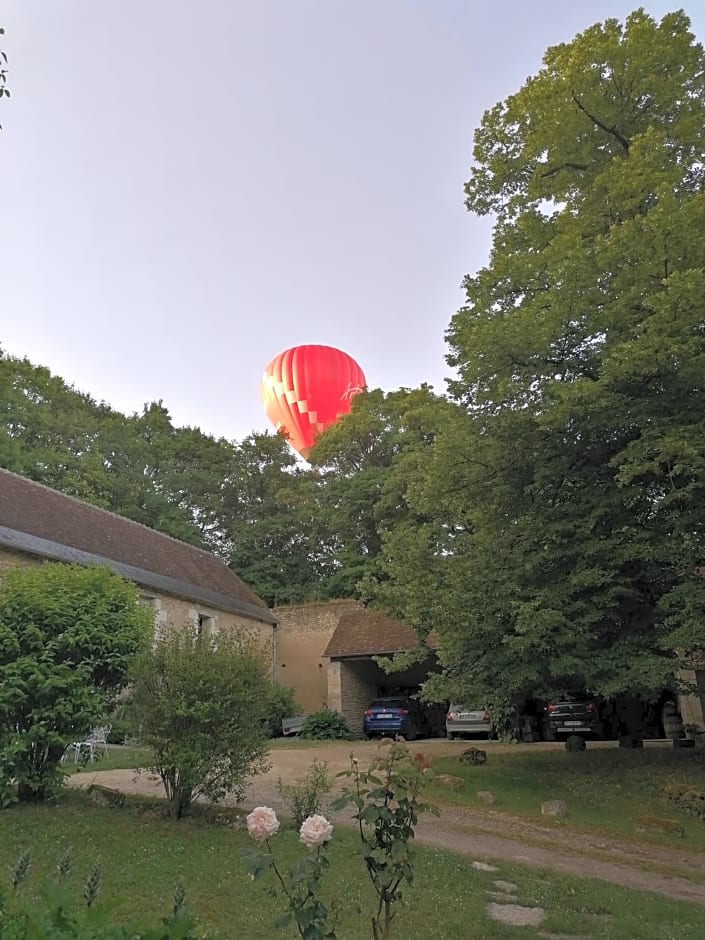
x=326, y=725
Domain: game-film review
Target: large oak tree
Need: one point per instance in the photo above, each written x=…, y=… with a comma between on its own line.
x=568, y=502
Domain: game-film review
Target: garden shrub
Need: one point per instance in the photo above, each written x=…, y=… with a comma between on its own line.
x=68, y=635
x=202, y=704
x=326, y=725
x=305, y=798
x=124, y=725
x=282, y=705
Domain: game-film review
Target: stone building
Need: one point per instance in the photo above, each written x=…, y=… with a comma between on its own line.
x=326, y=651
x=183, y=584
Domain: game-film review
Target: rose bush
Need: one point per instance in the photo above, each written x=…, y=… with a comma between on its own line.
x=301, y=884
x=387, y=800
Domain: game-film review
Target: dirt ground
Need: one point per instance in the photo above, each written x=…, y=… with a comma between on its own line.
x=478, y=834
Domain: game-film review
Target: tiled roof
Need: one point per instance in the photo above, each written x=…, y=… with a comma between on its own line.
x=44, y=522
x=365, y=632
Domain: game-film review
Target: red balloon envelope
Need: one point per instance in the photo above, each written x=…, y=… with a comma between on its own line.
x=306, y=389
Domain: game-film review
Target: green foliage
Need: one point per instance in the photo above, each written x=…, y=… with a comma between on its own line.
x=278, y=541
x=305, y=798
x=124, y=727
x=202, y=704
x=57, y=915
x=368, y=462
x=325, y=725
x=562, y=505
x=282, y=704
x=387, y=799
x=68, y=635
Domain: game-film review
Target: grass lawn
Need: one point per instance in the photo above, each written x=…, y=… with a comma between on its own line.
x=604, y=790
x=144, y=855
x=126, y=757
x=118, y=758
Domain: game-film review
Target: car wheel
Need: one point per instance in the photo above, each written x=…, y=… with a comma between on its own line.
x=450, y=735
x=548, y=735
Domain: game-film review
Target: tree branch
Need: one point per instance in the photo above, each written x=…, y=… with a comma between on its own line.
x=612, y=131
x=564, y=166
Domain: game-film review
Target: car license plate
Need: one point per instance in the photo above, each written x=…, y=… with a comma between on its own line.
x=573, y=724
x=384, y=715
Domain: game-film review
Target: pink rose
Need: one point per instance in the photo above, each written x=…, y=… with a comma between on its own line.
x=315, y=831
x=262, y=823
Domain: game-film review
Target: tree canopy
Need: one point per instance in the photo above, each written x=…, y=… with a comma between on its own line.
x=566, y=504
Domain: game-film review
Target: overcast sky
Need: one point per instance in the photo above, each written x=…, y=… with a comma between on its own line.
x=186, y=189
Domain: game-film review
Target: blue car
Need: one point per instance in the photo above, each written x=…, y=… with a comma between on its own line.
x=394, y=714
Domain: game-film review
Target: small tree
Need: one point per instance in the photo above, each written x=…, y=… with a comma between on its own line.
x=203, y=705
x=67, y=637
x=4, y=90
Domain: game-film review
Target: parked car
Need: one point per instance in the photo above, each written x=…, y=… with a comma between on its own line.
x=463, y=720
x=395, y=714
x=571, y=714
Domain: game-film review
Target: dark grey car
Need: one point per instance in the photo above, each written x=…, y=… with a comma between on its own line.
x=571, y=714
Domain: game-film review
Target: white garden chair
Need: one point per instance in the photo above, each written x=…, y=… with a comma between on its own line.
x=98, y=738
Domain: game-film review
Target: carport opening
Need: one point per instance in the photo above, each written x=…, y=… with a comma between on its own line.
x=362, y=681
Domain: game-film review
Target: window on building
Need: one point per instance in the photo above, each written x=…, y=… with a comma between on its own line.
x=204, y=625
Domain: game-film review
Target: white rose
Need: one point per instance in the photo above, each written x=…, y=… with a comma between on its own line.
x=315, y=831
x=262, y=823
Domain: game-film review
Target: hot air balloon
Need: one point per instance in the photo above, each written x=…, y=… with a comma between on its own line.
x=305, y=389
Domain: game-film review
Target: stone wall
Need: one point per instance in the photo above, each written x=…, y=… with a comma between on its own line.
x=303, y=633
x=352, y=684
x=12, y=559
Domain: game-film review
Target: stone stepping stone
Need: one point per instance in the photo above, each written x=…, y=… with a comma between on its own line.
x=483, y=866
x=501, y=898
x=506, y=886
x=516, y=915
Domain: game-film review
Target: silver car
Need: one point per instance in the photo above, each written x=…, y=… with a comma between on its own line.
x=462, y=720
